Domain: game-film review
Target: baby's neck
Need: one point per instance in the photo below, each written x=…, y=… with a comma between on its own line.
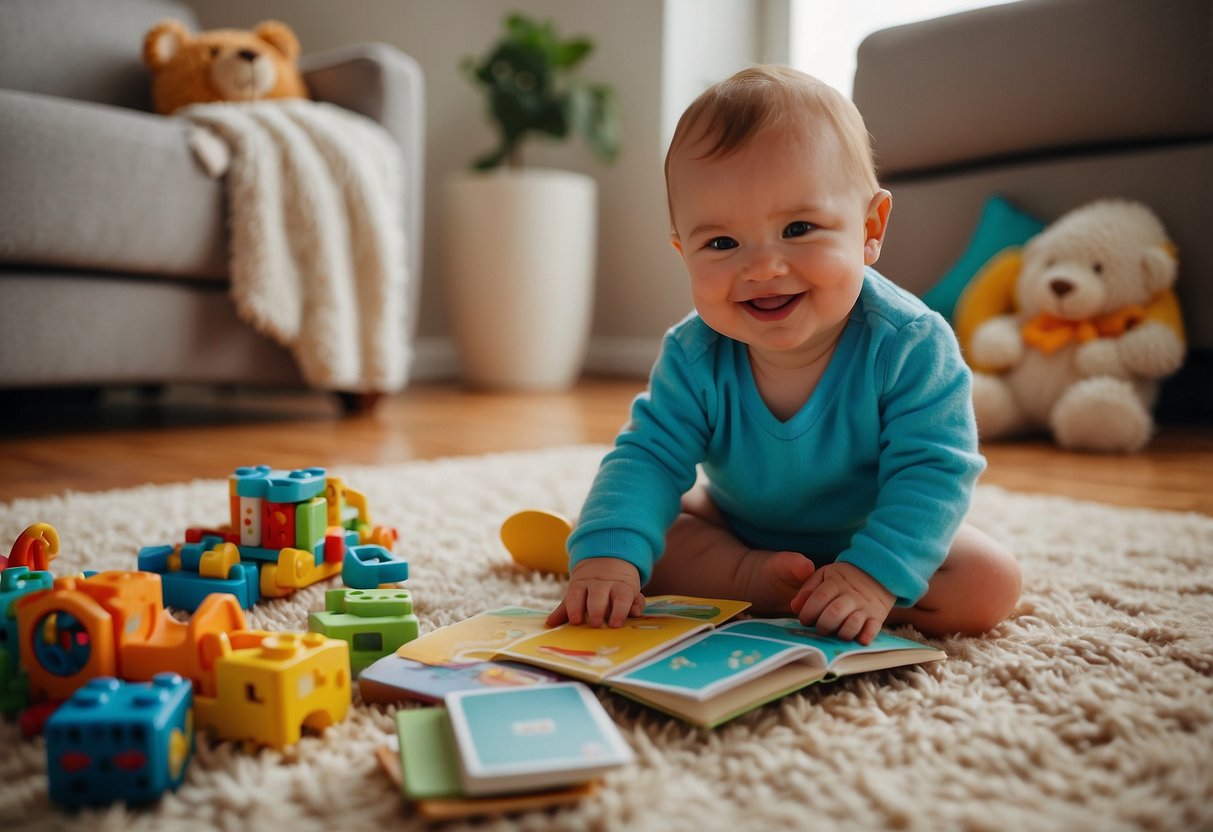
x=786, y=379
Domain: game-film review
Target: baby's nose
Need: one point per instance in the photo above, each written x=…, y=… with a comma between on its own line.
x=764, y=264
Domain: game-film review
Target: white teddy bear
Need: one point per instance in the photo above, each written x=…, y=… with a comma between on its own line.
x=1097, y=327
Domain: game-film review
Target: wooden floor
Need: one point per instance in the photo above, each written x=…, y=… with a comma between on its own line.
x=126, y=440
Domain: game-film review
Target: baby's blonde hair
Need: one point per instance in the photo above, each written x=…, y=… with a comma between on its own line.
x=730, y=112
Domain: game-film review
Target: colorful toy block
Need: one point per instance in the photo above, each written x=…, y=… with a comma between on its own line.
x=371, y=565
x=271, y=686
x=115, y=740
x=115, y=624
x=34, y=548
x=14, y=685
x=375, y=622
x=17, y=582
x=192, y=571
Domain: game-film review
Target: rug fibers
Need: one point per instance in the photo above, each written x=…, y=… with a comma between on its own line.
x=1092, y=708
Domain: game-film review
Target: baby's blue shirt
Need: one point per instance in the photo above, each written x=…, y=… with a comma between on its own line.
x=877, y=469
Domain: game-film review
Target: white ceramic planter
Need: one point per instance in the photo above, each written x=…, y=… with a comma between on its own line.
x=520, y=251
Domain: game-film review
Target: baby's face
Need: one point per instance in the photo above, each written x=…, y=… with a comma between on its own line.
x=775, y=237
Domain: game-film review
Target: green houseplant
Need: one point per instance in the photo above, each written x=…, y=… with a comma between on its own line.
x=520, y=241
x=528, y=79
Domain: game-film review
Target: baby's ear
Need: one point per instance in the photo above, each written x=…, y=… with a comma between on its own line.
x=676, y=242
x=875, y=225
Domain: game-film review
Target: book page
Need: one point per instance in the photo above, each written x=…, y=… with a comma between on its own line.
x=837, y=655
x=476, y=639
x=714, y=662
x=593, y=653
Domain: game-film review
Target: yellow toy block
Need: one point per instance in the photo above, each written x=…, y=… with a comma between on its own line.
x=272, y=686
x=219, y=561
x=294, y=570
x=334, y=495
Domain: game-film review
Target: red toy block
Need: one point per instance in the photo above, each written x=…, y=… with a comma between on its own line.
x=277, y=525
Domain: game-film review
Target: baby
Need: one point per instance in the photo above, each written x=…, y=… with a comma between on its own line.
x=830, y=411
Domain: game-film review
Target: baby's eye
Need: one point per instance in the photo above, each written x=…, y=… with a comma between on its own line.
x=797, y=229
x=722, y=243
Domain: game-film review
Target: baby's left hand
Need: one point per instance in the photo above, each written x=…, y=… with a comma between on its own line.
x=843, y=600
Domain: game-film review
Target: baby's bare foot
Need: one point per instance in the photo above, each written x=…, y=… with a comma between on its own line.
x=769, y=580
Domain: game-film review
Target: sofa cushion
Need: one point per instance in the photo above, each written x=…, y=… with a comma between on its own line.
x=105, y=188
x=1026, y=78
x=82, y=49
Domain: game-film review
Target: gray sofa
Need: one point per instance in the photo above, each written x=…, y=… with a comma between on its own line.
x=1051, y=103
x=113, y=247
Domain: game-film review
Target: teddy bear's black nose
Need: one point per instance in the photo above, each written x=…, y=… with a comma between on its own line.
x=248, y=54
x=1061, y=288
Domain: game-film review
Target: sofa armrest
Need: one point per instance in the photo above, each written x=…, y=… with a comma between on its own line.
x=386, y=85
x=1036, y=76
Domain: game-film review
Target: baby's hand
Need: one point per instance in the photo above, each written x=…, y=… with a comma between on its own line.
x=845, y=601
x=601, y=590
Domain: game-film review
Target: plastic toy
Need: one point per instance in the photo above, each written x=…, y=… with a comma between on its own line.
x=537, y=540
x=249, y=685
x=15, y=583
x=34, y=548
x=374, y=621
x=288, y=530
x=371, y=566
x=115, y=740
x=271, y=686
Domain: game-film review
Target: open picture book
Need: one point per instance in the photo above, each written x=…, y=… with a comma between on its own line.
x=680, y=657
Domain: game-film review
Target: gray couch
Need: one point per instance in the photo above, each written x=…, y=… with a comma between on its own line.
x=1051, y=103
x=113, y=248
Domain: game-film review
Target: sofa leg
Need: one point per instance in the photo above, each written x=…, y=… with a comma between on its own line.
x=355, y=404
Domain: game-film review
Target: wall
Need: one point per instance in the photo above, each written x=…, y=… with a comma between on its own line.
x=657, y=55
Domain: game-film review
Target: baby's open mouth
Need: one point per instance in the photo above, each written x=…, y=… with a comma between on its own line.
x=772, y=307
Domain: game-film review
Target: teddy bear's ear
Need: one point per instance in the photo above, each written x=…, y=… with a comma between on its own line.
x=163, y=42
x=280, y=36
x=1160, y=265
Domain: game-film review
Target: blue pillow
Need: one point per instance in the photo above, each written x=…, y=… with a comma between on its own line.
x=1001, y=225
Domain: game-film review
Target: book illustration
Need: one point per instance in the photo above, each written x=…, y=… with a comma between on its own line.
x=476, y=639
x=392, y=678
x=678, y=661
x=594, y=653
x=712, y=661
x=531, y=738
x=736, y=653
x=518, y=631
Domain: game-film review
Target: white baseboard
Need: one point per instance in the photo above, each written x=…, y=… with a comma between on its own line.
x=622, y=356
x=434, y=357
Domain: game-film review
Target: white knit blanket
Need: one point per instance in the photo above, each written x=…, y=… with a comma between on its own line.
x=316, y=230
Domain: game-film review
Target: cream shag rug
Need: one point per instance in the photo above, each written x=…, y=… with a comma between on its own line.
x=1091, y=709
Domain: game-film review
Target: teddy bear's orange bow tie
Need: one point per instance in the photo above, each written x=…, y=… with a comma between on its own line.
x=1049, y=333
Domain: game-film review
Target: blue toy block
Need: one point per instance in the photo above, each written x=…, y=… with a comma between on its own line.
x=184, y=590
x=17, y=582
x=279, y=486
x=369, y=565
x=113, y=740
x=154, y=559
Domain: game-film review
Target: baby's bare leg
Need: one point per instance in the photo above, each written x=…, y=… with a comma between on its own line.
x=976, y=588
x=704, y=558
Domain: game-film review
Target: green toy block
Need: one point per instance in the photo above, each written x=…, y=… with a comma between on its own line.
x=311, y=523
x=369, y=603
x=14, y=686
x=375, y=622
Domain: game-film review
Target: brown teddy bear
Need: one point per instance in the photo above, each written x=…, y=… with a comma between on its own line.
x=221, y=64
